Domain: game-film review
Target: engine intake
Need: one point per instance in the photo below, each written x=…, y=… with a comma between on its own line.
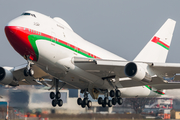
x=6, y=77
x=136, y=72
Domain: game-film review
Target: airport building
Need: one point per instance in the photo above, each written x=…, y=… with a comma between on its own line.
x=35, y=99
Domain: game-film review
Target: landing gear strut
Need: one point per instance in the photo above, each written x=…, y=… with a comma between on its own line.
x=85, y=102
x=28, y=70
x=56, y=97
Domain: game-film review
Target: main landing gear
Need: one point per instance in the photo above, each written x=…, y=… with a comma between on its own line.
x=85, y=102
x=115, y=95
x=28, y=70
x=56, y=97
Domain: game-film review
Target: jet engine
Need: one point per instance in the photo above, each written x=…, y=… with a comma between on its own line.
x=6, y=77
x=136, y=72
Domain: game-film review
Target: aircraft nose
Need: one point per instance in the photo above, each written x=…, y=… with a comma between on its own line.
x=18, y=38
x=10, y=30
x=10, y=27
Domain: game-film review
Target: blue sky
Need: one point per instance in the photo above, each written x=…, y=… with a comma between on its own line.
x=120, y=26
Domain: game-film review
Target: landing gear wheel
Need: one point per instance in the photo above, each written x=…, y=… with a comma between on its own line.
x=60, y=103
x=54, y=102
x=106, y=100
x=114, y=101
x=120, y=101
x=52, y=95
x=25, y=72
x=83, y=105
x=58, y=95
x=103, y=105
x=110, y=103
x=89, y=104
x=79, y=101
x=100, y=100
x=31, y=72
x=118, y=93
x=112, y=93
x=85, y=101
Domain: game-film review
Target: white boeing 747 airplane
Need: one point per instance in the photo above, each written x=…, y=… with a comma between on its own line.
x=58, y=57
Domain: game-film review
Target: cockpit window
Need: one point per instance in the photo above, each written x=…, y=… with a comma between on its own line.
x=29, y=14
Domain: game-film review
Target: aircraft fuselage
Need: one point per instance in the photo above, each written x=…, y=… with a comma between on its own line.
x=52, y=44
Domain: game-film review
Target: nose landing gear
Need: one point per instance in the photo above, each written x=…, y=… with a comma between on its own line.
x=28, y=70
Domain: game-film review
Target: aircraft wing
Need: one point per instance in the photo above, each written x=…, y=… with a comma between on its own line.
x=40, y=77
x=113, y=69
x=169, y=85
x=166, y=69
x=61, y=84
x=101, y=68
x=105, y=69
x=18, y=74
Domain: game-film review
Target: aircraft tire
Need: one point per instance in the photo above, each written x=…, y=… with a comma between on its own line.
x=120, y=101
x=118, y=93
x=103, y=105
x=110, y=103
x=31, y=72
x=89, y=104
x=58, y=95
x=112, y=93
x=79, y=101
x=60, y=103
x=54, y=102
x=85, y=101
x=100, y=100
x=52, y=95
x=83, y=105
x=26, y=72
x=114, y=101
x=106, y=100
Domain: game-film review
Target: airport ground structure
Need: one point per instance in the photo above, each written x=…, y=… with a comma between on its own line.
x=34, y=100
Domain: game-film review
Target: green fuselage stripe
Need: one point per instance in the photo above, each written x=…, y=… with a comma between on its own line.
x=158, y=92
x=34, y=38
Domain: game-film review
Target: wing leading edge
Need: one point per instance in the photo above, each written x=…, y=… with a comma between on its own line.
x=114, y=69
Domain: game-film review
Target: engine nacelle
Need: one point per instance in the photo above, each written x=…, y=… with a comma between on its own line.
x=136, y=72
x=6, y=77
